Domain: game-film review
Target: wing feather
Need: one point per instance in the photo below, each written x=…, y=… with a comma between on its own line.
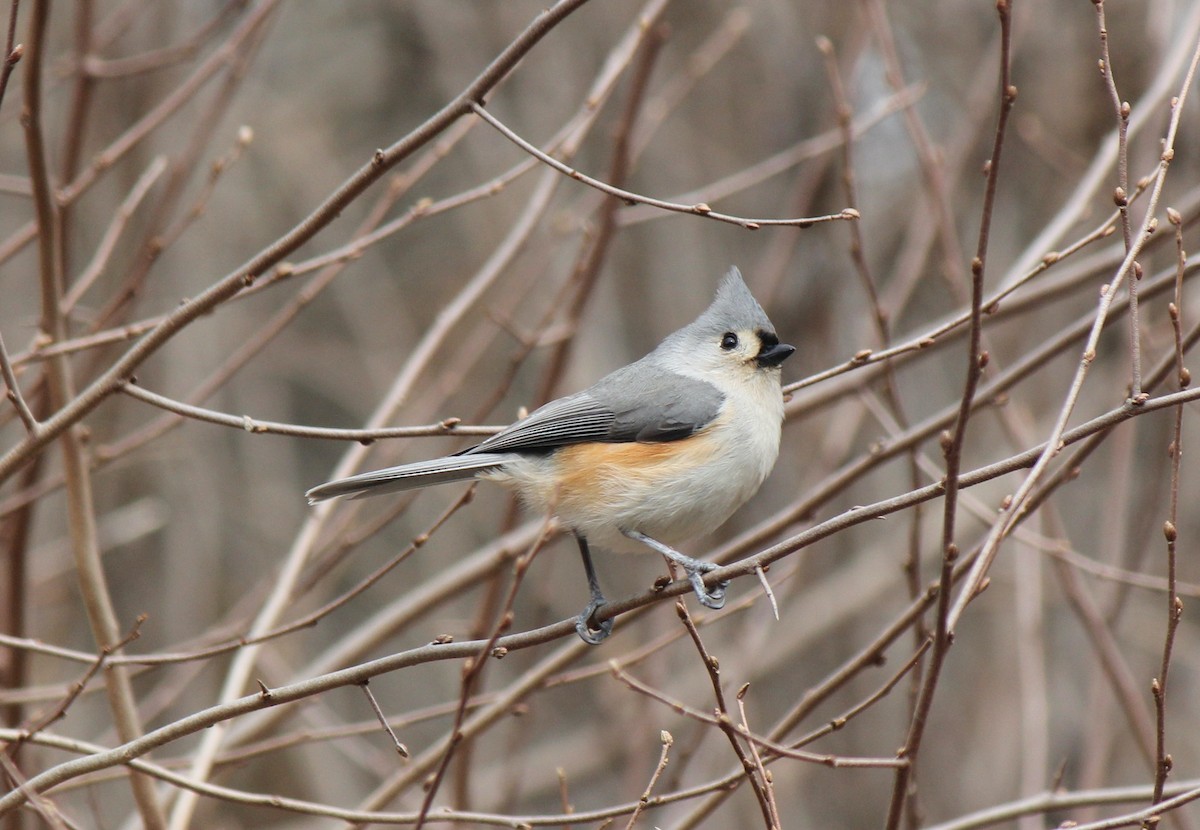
x=407, y=477
x=637, y=403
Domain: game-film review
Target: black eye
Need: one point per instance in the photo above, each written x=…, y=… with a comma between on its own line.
x=729, y=340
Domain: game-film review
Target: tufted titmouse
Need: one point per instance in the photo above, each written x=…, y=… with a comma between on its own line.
x=655, y=453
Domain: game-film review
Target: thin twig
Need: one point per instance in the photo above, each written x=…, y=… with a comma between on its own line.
x=449, y=426
x=401, y=749
x=13, y=391
x=724, y=722
x=1122, y=111
x=699, y=209
x=743, y=731
x=472, y=668
x=113, y=233
x=667, y=741
x=1158, y=687
x=12, y=50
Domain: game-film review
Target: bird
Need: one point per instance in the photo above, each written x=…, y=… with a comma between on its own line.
x=656, y=453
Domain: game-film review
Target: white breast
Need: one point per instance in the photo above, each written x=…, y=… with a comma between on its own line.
x=688, y=488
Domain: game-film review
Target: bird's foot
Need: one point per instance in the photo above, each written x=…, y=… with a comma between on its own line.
x=694, y=568
x=590, y=631
x=714, y=598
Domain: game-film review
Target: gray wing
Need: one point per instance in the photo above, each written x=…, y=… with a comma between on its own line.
x=637, y=403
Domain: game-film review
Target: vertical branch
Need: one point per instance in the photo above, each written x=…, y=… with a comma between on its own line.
x=472, y=669
x=587, y=268
x=928, y=156
x=952, y=442
x=1158, y=687
x=1020, y=500
x=76, y=125
x=713, y=667
x=80, y=506
x=891, y=388
x=1121, y=197
x=12, y=51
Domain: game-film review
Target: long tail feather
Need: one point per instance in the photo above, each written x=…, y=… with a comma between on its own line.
x=408, y=476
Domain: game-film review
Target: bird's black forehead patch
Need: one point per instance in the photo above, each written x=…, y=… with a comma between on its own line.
x=767, y=338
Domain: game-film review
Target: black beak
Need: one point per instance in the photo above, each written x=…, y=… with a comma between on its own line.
x=774, y=355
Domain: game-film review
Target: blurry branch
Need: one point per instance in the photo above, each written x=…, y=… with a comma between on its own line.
x=595, y=246
x=1147, y=112
x=1005, y=523
x=112, y=234
x=1058, y=800
x=109, y=381
x=1121, y=110
x=928, y=156
x=698, y=209
x=1122, y=575
x=81, y=511
x=781, y=162
x=156, y=117
x=741, y=730
x=12, y=50
x=13, y=391
x=164, y=57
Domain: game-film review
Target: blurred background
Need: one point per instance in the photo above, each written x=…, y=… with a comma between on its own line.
x=472, y=283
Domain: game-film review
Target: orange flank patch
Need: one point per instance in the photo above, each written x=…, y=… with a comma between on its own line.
x=589, y=470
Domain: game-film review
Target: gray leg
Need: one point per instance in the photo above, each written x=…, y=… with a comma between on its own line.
x=583, y=623
x=694, y=568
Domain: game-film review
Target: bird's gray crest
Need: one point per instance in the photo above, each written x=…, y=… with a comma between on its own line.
x=733, y=309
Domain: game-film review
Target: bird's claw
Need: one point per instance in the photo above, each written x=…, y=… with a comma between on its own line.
x=715, y=598
x=583, y=624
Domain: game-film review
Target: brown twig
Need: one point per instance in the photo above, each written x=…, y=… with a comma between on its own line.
x=13, y=391
x=725, y=723
x=100, y=661
x=952, y=444
x=667, y=741
x=1122, y=111
x=401, y=749
x=472, y=669
x=93, y=583
x=752, y=739
x=699, y=209
x=1162, y=761
x=13, y=51
x=449, y=426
